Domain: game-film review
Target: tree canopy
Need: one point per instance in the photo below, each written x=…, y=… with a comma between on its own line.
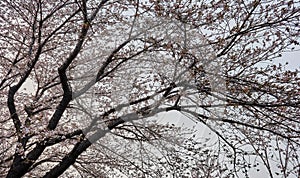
x=148, y=88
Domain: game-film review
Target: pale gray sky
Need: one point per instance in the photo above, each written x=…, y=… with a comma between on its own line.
x=293, y=59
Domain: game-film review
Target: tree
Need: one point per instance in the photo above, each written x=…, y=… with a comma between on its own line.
x=109, y=79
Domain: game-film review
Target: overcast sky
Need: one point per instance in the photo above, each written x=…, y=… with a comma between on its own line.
x=293, y=59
